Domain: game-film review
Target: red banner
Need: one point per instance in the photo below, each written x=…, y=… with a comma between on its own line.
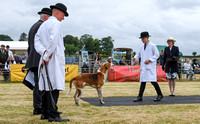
x=131, y=73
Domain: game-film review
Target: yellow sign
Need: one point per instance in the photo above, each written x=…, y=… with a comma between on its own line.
x=18, y=72
x=70, y=72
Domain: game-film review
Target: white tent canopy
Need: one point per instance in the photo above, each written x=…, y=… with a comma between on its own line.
x=16, y=45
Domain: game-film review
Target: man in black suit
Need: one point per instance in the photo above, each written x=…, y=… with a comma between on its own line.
x=34, y=57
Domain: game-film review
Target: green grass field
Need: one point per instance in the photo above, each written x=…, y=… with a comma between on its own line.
x=16, y=105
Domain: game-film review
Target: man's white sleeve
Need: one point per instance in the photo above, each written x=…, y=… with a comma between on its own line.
x=137, y=56
x=155, y=54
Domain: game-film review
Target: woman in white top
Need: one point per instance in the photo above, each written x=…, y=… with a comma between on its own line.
x=188, y=69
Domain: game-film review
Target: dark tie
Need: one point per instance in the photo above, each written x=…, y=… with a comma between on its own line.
x=145, y=45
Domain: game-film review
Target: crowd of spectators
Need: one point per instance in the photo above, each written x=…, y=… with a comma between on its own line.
x=7, y=58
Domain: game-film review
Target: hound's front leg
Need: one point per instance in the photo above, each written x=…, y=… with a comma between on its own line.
x=99, y=91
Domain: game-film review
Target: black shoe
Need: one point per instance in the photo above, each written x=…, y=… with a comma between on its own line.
x=172, y=95
x=37, y=111
x=139, y=99
x=158, y=98
x=59, y=112
x=58, y=119
x=43, y=117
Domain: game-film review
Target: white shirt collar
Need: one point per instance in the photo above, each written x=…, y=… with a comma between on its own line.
x=53, y=17
x=147, y=43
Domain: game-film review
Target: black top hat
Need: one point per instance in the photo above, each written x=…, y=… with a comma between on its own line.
x=61, y=7
x=45, y=11
x=144, y=34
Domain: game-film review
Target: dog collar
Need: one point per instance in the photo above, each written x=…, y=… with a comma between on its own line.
x=103, y=73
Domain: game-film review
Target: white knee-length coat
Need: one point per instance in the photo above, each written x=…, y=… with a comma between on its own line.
x=148, y=71
x=49, y=37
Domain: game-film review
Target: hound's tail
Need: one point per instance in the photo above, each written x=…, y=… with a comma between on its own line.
x=70, y=86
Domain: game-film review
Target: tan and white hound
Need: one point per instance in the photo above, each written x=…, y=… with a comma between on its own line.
x=95, y=80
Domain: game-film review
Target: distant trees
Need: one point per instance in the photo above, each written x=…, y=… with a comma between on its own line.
x=23, y=37
x=71, y=45
x=106, y=45
x=88, y=43
x=5, y=38
x=194, y=53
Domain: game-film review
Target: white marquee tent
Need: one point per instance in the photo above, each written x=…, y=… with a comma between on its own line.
x=16, y=46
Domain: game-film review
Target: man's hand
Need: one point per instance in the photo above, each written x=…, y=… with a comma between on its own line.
x=147, y=62
x=43, y=62
x=133, y=59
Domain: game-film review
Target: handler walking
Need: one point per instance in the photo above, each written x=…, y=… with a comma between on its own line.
x=34, y=57
x=49, y=44
x=148, y=54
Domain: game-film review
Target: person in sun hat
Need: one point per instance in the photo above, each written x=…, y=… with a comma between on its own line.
x=170, y=63
x=33, y=59
x=49, y=44
x=110, y=59
x=149, y=54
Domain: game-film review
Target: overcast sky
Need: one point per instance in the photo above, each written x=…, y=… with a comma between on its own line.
x=123, y=20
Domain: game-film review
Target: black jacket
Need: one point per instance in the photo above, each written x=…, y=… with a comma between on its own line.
x=171, y=66
x=33, y=56
x=3, y=56
x=194, y=65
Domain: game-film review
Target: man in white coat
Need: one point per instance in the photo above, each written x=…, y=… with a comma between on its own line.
x=49, y=44
x=149, y=55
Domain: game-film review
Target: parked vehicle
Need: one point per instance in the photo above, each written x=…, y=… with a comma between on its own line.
x=118, y=53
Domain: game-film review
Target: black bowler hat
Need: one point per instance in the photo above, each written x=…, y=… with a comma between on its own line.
x=45, y=11
x=144, y=34
x=60, y=7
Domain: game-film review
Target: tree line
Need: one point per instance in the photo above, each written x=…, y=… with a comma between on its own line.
x=73, y=44
x=86, y=42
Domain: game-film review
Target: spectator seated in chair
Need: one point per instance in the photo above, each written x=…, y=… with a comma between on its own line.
x=123, y=61
x=187, y=69
x=196, y=66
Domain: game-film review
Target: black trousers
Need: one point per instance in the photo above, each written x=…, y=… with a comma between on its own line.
x=37, y=100
x=155, y=84
x=47, y=106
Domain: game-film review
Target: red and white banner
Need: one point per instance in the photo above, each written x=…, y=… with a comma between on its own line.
x=131, y=73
